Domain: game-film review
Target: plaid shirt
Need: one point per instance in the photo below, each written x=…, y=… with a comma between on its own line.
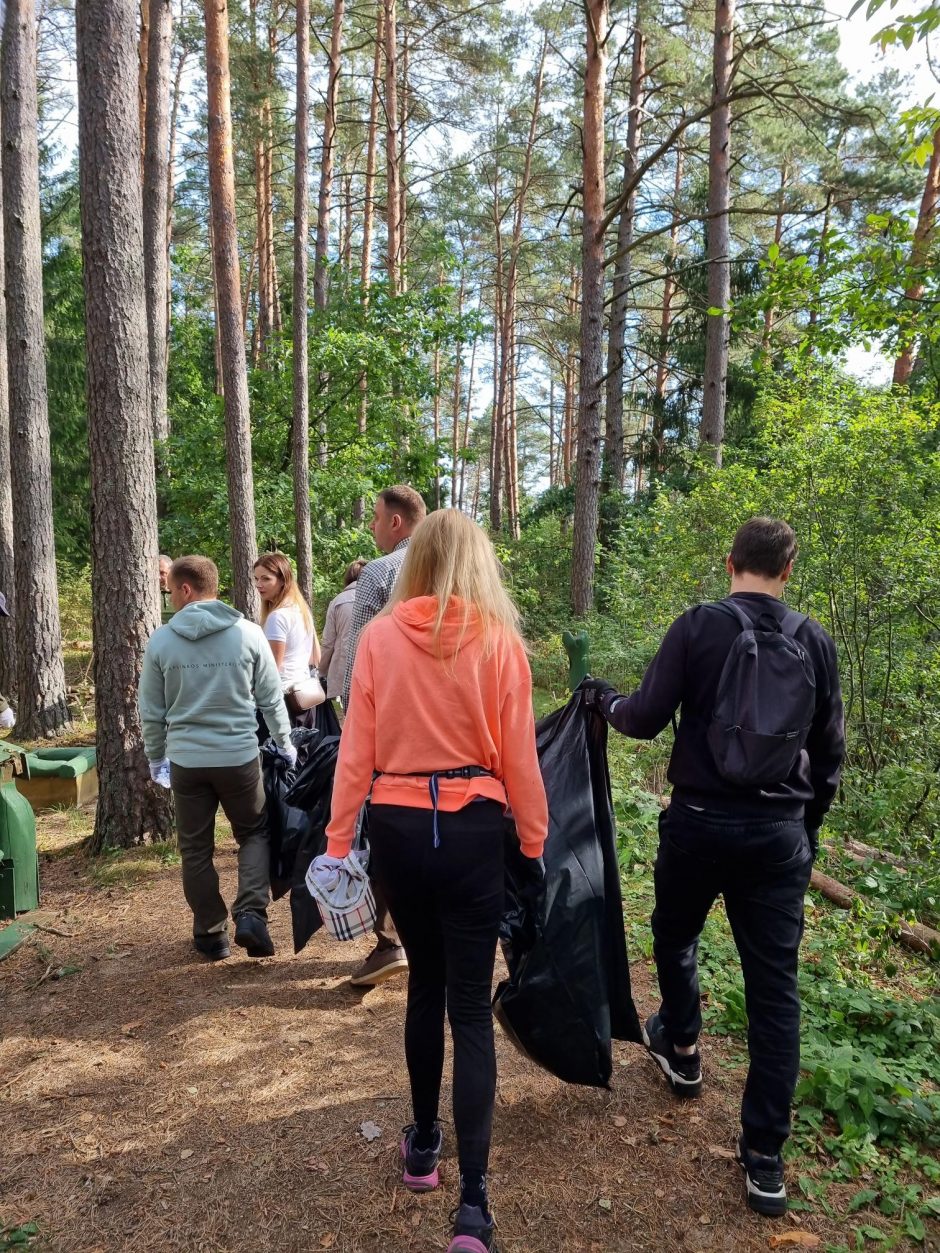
x=373, y=589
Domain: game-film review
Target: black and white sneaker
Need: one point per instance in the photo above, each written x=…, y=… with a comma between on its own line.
x=684, y=1073
x=763, y=1179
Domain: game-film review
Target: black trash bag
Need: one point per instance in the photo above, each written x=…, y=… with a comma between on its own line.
x=325, y=719
x=287, y=824
x=568, y=992
x=312, y=793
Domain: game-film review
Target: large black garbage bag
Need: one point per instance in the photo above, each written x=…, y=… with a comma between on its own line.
x=568, y=993
x=287, y=824
x=312, y=793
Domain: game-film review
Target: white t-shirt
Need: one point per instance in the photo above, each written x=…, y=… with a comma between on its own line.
x=287, y=625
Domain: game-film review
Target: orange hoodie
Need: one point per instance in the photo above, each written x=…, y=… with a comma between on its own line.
x=410, y=709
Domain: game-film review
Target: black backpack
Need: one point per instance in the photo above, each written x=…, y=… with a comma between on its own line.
x=765, y=702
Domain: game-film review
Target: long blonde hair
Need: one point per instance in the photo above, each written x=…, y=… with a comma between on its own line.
x=290, y=594
x=451, y=557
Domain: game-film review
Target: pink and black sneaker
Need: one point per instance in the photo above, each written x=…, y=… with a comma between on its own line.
x=420, y=1170
x=474, y=1231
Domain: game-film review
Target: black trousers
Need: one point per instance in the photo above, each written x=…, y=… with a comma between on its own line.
x=762, y=869
x=447, y=903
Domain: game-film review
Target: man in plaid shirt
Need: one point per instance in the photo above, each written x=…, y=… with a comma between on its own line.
x=398, y=510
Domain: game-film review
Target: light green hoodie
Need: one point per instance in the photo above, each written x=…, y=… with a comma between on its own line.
x=204, y=673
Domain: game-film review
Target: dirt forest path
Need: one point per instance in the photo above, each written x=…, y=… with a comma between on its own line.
x=150, y=1101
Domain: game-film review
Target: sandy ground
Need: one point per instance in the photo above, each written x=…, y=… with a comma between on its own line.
x=151, y=1101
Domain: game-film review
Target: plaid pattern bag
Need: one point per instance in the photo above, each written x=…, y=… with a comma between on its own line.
x=343, y=895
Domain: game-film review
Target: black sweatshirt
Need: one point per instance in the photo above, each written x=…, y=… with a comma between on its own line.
x=685, y=673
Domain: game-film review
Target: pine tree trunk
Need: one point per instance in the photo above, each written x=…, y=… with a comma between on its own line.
x=821, y=251
x=368, y=217
x=42, y=708
x=587, y=482
x=320, y=273
x=155, y=208
x=403, y=155
x=368, y=209
x=143, y=55
x=512, y=441
x=614, y=454
x=665, y=322
x=926, y=220
x=171, y=184
x=718, y=234
x=436, y=423
x=7, y=625
x=393, y=186
x=465, y=443
x=125, y=599
x=497, y=430
x=300, y=439
x=346, y=234
x=769, y=312
x=228, y=285
x=455, y=408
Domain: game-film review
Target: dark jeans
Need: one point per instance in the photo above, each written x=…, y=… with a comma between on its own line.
x=447, y=902
x=762, y=869
x=197, y=793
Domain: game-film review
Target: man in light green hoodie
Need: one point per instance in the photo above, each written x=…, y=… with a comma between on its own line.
x=204, y=674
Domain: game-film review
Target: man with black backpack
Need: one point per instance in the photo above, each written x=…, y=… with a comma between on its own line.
x=754, y=768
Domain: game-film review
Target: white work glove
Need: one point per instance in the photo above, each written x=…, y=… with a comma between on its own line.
x=325, y=871
x=160, y=772
x=7, y=719
x=290, y=753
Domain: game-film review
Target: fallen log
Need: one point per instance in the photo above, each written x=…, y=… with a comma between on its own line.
x=913, y=935
x=858, y=849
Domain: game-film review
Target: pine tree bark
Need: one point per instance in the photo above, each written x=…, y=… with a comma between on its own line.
x=456, y=397
x=300, y=439
x=498, y=425
x=368, y=209
x=156, y=208
x=404, y=96
x=320, y=273
x=143, y=55
x=8, y=624
x=241, y=500
x=468, y=411
x=171, y=181
x=718, y=233
x=125, y=597
x=769, y=312
x=393, y=185
x=587, y=482
x=665, y=322
x=613, y=413
x=926, y=220
x=42, y=708
x=368, y=217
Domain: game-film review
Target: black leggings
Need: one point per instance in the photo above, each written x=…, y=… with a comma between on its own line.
x=447, y=903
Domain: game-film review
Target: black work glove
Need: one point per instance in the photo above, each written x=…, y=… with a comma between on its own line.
x=531, y=879
x=597, y=692
x=812, y=834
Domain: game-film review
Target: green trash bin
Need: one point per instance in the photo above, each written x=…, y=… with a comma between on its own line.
x=19, y=862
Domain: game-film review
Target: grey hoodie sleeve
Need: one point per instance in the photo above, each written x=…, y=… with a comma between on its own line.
x=268, y=697
x=151, y=700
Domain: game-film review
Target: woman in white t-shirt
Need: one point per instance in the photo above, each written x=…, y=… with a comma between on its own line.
x=286, y=619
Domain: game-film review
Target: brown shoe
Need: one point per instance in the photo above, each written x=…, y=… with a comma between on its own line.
x=380, y=965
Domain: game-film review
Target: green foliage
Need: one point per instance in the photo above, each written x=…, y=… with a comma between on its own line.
x=858, y=476
x=388, y=345
x=20, y=1236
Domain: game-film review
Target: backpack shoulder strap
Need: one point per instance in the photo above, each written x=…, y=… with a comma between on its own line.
x=791, y=622
x=734, y=611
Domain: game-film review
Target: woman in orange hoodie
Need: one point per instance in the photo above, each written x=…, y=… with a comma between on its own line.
x=440, y=712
